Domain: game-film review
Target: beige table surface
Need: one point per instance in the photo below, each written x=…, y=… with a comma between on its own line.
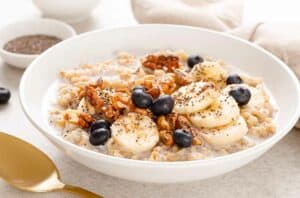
x=276, y=174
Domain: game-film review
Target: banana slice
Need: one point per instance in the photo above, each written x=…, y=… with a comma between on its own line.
x=222, y=112
x=135, y=133
x=226, y=135
x=194, y=97
x=209, y=71
x=86, y=107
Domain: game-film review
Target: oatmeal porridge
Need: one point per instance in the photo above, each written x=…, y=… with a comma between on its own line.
x=164, y=106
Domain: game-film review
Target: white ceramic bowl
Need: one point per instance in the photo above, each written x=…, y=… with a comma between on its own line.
x=30, y=27
x=70, y=11
x=100, y=45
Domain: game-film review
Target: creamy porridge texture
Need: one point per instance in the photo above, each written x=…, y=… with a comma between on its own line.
x=164, y=106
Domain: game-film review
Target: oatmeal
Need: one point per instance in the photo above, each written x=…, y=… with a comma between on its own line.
x=164, y=106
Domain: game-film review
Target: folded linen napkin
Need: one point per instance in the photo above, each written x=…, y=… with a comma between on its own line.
x=213, y=14
x=281, y=39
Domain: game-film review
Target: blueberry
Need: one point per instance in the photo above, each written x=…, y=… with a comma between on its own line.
x=234, y=79
x=193, y=60
x=241, y=95
x=141, y=99
x=141, y=88
x=182, y=138
x=99, y=136
x=4, y=95
x=100, y=124
x=163, y=105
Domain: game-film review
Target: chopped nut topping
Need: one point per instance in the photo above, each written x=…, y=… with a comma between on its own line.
x=181, y=78
x=168, y=63
x=166, y=137
x=109, y=103
x=84, y=120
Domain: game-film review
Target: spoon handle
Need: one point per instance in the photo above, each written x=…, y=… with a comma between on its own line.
x=80, y=191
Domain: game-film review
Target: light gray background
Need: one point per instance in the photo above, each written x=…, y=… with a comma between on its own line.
x=276, y=174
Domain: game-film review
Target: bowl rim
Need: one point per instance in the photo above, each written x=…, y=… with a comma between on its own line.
x=66, y=26
x=162, y=164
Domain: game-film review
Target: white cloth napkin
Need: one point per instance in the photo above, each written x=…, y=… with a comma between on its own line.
x=281, y=39
x=219, y=15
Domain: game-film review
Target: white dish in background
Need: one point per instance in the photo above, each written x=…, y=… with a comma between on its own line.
x=102, y=44
x=30, y=27
x=69, y=11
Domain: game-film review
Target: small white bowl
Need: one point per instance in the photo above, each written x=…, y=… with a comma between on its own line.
x=100, y=45
x=69, y=11
x=30, y=27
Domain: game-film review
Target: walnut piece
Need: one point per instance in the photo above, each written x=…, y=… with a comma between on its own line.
x=166, y=62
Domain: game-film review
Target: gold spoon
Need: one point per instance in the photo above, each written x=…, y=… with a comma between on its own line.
x=27, y=168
